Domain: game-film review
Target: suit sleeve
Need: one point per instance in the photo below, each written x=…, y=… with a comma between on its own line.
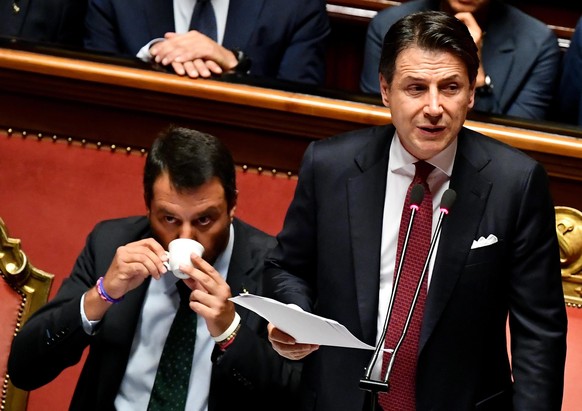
x=100, y=27
x=53, y=338
x=537, y=315
x=571, y=81
x=304, y=58
x=291, y=266
x=262, y=369
x=534, y=98
x=369, y=82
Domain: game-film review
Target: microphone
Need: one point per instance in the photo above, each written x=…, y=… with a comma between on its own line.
x=416, y=197
x=447, y=201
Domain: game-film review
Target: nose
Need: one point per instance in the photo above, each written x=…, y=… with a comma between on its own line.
x=187, y=231
x=433, y=107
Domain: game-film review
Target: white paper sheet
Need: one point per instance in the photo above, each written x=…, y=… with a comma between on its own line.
x=305, y=327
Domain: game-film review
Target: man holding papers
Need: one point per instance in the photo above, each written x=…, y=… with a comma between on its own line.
x=340, y=252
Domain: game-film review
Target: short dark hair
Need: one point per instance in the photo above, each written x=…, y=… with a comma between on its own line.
x=190, y=158
x=433, y=31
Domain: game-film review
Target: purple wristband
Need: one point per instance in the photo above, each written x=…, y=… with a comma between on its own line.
x=103, y=294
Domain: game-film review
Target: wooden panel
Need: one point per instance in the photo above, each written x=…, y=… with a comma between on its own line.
x=128, y=106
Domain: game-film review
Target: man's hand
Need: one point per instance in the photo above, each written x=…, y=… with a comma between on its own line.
x=193, y=54
x=286, y=346
x=477, y=34
x=131, y=265
x=210, y=295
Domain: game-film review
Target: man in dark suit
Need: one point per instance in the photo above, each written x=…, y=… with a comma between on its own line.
x=190, y=192
x=282, y=39
x=520, y=55
x=497, y=255
x=570, y=92
x=47, y=21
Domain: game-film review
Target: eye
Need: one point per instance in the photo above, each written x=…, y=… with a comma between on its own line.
x=416, y=89
x=204, y=221
x=170, y=219
x=451, y=88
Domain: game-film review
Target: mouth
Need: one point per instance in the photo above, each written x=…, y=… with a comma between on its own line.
x=432, y=130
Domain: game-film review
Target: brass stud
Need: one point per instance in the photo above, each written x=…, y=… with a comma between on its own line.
x=99, y=144
x=113, y=147
x=260, y=169
x=69, y=140
x=24, y=133
x=128, y=150
x=39, y=135
x=274, y=171
x=55, y=138
x=9, y=131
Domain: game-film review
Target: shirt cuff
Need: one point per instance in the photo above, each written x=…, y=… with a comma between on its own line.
x=144, y=53
x=235, y=323
x=88, y=326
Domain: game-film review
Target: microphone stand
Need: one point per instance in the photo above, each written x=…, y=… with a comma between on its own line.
x=375, y=386
x=367, y=383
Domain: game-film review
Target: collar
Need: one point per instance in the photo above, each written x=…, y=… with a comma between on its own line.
x=401, y=161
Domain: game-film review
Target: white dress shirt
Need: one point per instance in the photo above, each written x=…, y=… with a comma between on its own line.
x=401, y=171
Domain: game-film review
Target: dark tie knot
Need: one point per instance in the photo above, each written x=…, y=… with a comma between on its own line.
x=423, y=169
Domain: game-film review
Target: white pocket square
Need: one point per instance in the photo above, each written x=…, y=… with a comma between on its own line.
x=484, y=242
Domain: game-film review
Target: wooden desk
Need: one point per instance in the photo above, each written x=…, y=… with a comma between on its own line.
x=122, y=107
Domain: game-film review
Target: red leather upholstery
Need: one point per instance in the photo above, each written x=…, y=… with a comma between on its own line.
x=573, y=375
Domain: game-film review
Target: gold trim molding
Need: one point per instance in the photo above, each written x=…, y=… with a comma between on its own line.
x=569, y=231
x=33, y=286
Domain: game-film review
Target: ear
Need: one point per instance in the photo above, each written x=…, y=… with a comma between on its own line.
x=233, y=208
x=384, y=90
x=472, y=96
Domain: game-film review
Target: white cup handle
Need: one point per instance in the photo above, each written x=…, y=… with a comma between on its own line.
x=167, y=263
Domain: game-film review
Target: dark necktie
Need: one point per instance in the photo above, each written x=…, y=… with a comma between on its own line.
x=204, y=20
x=401, y=395
x=170, y=389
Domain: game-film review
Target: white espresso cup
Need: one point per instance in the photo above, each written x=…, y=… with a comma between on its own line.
x=179, y=252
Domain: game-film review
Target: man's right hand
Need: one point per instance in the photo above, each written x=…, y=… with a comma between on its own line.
x=131, y=265
x=193, y=54
x=286, y=346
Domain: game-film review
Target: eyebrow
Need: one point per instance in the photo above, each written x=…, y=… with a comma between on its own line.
x=453, y=77
x=206, y=211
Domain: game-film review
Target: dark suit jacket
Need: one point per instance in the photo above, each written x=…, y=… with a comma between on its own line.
x=47, y=21
x=520, y=54
x=284, y=39
x=570, y=95
x=249, y=375
x=328, y=262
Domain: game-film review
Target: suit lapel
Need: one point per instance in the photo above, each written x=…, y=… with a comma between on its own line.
x=240, y=267
x=366, y=195
x=242, y=15
x=458, y=229
x=160, y=17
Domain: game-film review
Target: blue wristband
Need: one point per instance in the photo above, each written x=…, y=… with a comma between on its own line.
x=103, y=294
